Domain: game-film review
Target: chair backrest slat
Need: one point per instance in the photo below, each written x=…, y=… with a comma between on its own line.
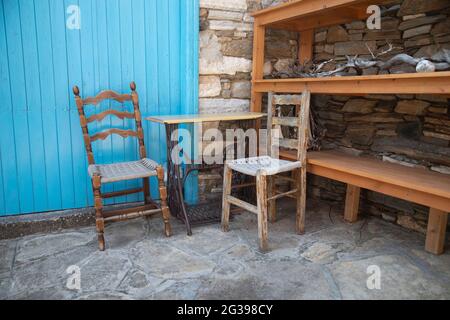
x=286, y=122
x=287, y=100
x=107, y=95
x=105, y=134
x=300, y=121
x=99, y=117
x=121, y=98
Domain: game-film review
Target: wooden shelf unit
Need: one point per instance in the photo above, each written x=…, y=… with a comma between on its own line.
x=304, y=16
x=416, y=185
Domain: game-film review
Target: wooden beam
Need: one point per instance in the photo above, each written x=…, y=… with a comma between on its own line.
x=338, y=16
x=259, y=38
x=413, y=83
x=302, y=8
x=306, y=42
x=352, y=203
x=437, y=227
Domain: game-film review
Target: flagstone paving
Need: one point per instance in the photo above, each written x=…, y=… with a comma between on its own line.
x=330, y=261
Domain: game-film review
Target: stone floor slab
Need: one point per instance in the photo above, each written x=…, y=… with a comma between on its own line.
x=330, y=261
x=399, y=279
x=36, y=247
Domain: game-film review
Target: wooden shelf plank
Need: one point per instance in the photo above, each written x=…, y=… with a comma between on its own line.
x=339, y=16
x=296, y=10
x=413, y=83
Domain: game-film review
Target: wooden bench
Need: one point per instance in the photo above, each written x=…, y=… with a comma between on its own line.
x=417, y=185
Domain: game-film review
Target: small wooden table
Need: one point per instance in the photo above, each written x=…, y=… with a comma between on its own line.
x=203, y=213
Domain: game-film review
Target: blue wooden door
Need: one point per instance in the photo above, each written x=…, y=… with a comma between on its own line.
x=48, y=46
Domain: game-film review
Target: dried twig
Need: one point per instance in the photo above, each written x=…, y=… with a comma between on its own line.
x=312, y=70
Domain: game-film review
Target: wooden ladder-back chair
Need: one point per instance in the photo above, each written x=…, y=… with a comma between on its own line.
x=125, y=171
x=268, y=168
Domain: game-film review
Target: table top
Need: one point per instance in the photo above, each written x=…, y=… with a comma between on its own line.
x=213, y=117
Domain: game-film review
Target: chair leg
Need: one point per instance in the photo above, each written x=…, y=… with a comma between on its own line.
x=272, y=203
x=227, y=181
x=164, y=206
x=261, y=191
x=147, y=197
x=146, y=185
x=301, y=200
x=99, y=220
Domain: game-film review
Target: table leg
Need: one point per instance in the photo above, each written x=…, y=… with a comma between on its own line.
x=174, y=182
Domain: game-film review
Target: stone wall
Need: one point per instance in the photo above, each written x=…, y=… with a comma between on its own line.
x=226, y=49
x=412, y=130
x=226, y=42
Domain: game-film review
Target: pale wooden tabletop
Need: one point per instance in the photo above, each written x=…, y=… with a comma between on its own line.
x=199, y=118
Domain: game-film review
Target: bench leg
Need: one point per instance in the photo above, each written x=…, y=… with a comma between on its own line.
x=437, y=227
x=352, y=203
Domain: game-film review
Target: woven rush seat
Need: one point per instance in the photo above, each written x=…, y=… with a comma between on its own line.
x=124, y=171
x=264, y=165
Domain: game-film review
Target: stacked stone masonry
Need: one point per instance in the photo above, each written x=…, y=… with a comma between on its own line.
x=411, y=130
x=226, y=49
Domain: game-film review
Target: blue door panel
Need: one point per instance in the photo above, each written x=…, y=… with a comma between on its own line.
x=43, y=165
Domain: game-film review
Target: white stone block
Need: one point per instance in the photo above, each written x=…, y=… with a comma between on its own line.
x=225, y=15
x=231, y=5
x=208, y=106
x=210, y=86
x=225, y=25
x=227, y=65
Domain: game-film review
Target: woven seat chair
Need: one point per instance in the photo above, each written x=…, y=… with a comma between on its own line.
x=102, y=174
x=268, y=169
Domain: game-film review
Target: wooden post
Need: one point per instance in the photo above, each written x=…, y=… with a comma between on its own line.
x=437, y=227
x=302, y=151
x=261, y=191
x=259, y=37
x=227, y=181
x=301, y=199
x=352, y=203
x=305, y=48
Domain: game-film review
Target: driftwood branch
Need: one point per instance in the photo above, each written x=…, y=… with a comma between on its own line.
x=439, y=62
